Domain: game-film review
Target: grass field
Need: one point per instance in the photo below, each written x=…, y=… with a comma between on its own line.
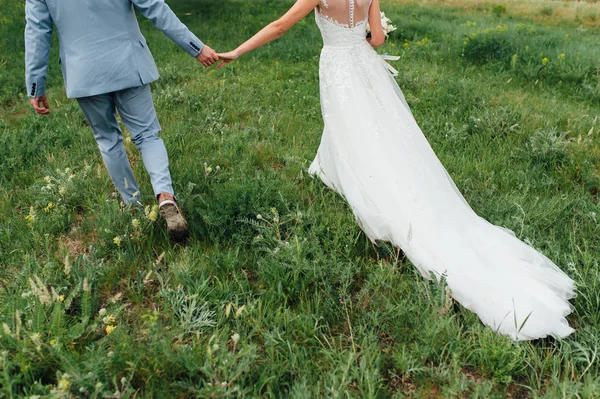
x=96, y=302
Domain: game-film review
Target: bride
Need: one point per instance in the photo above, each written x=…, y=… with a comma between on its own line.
x=374, y=154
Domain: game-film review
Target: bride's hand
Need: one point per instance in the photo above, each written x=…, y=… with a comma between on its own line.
x=226, y=58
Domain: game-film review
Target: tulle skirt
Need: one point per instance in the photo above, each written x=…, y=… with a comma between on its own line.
x=374, y=154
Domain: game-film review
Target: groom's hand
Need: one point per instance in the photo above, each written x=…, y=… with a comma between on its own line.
x=207, y=56
x=40, y=104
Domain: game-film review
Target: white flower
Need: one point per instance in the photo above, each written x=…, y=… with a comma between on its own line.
x=36, y=340
x=386, y=25
x=235, y=338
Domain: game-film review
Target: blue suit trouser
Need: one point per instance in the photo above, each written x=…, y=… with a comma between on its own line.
x=136, y=108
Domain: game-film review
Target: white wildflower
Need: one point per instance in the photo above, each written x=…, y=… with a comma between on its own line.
x=235, y=338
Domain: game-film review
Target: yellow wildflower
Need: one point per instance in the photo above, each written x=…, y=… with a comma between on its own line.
x=117, y=240
x=110, y=329
x=135, y=223
x=423, y=42
x=152, y=215
x=31, y=217
x=64, y=384
x=545, y=60
x=49, y=207
x=110, y=320
x=562, y=57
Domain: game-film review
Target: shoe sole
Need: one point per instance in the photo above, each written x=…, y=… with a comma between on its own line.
x=176, y=224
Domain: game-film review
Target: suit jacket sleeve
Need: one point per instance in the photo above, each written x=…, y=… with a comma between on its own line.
x=159, y=13
x=38, y=30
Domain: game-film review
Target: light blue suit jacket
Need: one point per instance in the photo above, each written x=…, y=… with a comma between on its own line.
x=101, y=47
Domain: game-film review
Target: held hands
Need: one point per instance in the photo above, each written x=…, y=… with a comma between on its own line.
x=40, y=104
x=207, y=56
x=228, y=57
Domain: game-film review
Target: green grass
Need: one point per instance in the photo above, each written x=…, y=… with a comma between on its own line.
x=297, y=303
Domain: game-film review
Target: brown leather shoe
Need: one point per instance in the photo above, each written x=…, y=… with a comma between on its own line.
x=177, y=226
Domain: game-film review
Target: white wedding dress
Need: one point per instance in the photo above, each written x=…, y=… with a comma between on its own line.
x=374, y=154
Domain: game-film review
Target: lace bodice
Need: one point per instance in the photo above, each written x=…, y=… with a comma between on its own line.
x=343, y=23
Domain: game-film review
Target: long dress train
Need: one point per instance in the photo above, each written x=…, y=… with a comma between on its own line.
x=374, y=154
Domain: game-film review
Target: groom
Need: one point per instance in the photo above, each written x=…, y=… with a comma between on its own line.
x=107, y=66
